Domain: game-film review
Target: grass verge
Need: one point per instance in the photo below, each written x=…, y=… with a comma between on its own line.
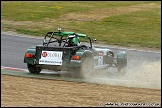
x=123, y=23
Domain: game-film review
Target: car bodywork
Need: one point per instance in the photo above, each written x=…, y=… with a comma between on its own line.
x=57, y=53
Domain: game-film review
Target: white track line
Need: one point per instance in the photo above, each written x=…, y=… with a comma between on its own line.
x=26, y=70
x=11, y=68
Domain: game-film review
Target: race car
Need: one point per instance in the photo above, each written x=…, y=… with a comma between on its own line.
x=63, y=51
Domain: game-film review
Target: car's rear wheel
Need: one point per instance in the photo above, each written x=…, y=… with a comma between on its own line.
x=87, y=67
x=34, y=69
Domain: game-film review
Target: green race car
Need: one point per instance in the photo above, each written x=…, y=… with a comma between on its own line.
x=63, y=51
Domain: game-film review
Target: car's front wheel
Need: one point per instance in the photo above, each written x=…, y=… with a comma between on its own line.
x=122, y=70
x=34, y=69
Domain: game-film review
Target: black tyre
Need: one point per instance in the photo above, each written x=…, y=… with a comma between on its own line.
x=122, y=67
x=122, y=63
x=122, y=70
x=87, y=67
x=34, y=69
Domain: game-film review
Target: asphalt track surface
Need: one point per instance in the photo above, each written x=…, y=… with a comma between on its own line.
x=143, y=69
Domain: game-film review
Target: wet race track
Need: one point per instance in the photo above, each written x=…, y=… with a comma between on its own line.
x=143, y=67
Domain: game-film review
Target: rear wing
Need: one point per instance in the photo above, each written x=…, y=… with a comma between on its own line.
x=64, y=34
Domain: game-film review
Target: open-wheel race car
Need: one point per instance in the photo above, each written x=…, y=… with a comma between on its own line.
x=63, y=51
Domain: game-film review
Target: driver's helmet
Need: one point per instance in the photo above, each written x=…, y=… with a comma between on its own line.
x=74, y=41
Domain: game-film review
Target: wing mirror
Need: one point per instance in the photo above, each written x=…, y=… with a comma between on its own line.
x=94, y=40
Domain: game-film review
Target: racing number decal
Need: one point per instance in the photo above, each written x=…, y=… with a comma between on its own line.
x=100, y=59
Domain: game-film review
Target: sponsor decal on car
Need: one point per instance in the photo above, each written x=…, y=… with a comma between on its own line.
x=51, y=58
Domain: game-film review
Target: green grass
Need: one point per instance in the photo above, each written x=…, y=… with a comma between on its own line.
x=140, y=28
